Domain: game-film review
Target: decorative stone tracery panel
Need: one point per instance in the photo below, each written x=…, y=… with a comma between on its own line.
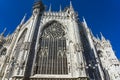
x=51, y=57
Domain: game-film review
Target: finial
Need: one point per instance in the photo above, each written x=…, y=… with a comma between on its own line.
x=102, y=37
x=2, y=34
x=23, y=20
x=50, y=8
x=60, y=8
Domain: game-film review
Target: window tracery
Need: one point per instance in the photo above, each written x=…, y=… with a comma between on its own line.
x=53, y=47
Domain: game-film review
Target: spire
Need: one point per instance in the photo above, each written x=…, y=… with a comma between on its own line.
x=102, y=37
x=23, y=20
x=71, y=7
x=85, y=23
x=60, y=8
x=2, y=34
x=50, y=8
x=8, y=34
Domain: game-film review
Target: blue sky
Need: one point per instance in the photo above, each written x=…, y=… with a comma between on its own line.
x=101, y=15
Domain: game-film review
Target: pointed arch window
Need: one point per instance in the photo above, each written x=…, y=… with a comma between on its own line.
x=52, y=59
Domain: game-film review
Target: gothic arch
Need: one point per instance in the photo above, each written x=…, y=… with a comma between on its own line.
x=53, y=21
x=51, y=57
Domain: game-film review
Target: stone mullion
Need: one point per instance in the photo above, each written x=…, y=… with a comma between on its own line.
x=66, y=58
x=52, y=56
x=65, y=64
x=43, y=42
x=62, y=64
x=49, y=62
x=48, y=69
x=45, y=58
x=57, y=56
x=47, y=55
x=41, y=64
x=62, y=56
x=58, y=63
x=44, y=64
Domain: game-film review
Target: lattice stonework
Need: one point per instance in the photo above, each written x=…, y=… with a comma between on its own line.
x=51, y=57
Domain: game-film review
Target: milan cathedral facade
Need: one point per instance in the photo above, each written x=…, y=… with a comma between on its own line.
x=56, y=46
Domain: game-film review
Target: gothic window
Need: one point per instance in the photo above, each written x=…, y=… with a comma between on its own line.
x=51, y=57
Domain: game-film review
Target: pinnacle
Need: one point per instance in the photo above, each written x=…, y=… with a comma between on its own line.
x=50, y=7
x=102, y=37
x=60, y=8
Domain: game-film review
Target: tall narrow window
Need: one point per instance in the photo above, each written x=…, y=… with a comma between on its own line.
x=51, y=57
